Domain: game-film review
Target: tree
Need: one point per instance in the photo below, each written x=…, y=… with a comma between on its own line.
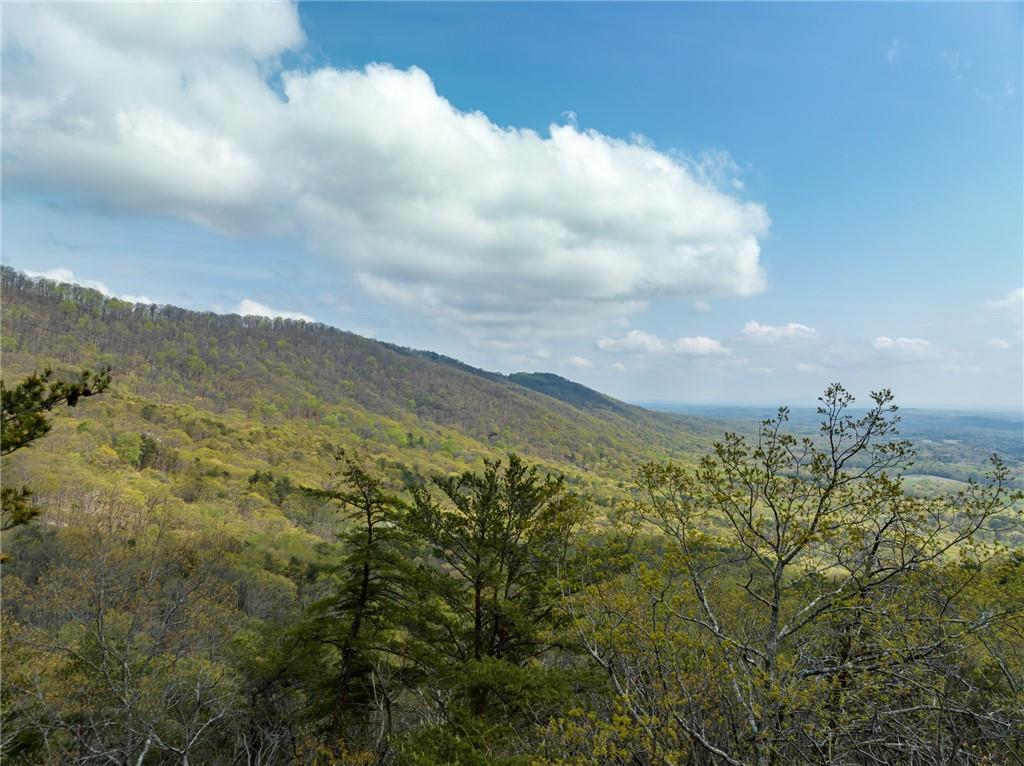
x=498, y=540
x=359, y=619
x=23, y=419
x=119, y=654
x=803, y=609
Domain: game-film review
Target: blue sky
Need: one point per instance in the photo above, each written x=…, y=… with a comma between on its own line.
x=738, y=204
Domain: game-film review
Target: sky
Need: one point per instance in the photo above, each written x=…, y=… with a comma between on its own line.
x=700, y=203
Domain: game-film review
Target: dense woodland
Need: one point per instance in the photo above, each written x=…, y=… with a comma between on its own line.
x=267, y=542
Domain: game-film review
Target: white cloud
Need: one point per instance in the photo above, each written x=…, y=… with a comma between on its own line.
x=581, y=362
x=633, y=342
x=249, y=307
x=998, y=343
x=619, y=367
x=763, y=333
x=136, y=298
x=640, y=342
x=698, y=346
x=702, y=307
x=909, y=347
x=501, y=232
x=245, y=307
x=1012, y=304
x=715, y=167
x=61, y=274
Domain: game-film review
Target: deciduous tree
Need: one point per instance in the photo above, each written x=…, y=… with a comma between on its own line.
x=804, y=609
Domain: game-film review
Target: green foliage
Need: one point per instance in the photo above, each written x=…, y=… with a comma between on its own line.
x=23, y=419
x=800, y=607
x=214, y=585
x=499, y=542
x=358, y=621
x=135, y=668
x=128, y=446
x=300, y=375
x=501, y=536
x=25, y=406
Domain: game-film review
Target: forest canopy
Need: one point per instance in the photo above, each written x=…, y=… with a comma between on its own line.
x=777, y=603
x=269, y=542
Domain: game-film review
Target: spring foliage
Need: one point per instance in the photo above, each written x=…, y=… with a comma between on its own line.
x=212, y=579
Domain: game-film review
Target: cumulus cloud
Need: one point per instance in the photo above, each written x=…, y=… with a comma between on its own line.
x=497, y=230
x=998, y=343
x=249, y=307
x=698, y=346
x=61, y=274
x=1012, y=304
x=715, y=166
x=907, y=347
x=702, y=307
x=633, y=342
x=640, y=342
x=581, y=362
x=763, y=333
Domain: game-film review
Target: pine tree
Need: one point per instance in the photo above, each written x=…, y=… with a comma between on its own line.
x=358, y=621
x=499, y=541
x=23, y=419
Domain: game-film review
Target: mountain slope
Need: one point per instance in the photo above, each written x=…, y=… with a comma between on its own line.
x=343, y=387
x=572, y=393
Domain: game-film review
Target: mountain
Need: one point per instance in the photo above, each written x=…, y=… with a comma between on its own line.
x=573, y=393
x=313, y=385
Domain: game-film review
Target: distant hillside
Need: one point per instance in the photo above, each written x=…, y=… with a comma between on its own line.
x=573, y=393
x=333, y=385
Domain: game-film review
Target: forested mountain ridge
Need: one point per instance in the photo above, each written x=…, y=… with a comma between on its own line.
x=276, y=369
x=293, y=387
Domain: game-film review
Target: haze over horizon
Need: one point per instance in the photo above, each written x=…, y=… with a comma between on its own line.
x=741, y=205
